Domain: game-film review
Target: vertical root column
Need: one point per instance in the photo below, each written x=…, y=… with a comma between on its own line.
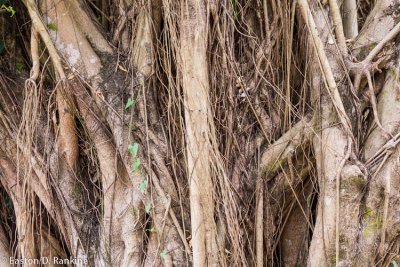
x=194, y=29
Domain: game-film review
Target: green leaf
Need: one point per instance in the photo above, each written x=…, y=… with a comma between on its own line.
x=152, y=230
x=395, y=263
x=163, y=254
x=148, y=208
x=136, y=165
x=129, y=103
x=11, y=10
x=8, y=9
x=19, y=66
x=133, y=149
x=143, y=186
x=52, y=26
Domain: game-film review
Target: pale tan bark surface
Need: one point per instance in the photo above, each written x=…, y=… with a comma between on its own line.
x=200, y=133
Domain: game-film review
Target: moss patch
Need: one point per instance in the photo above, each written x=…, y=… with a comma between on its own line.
x=273, y=167
x=357, y=182
x=373, y=221
x=364, y=51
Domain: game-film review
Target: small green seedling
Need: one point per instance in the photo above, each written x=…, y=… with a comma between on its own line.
x=163, y=254
x=9, y=9
x=152, y=230
x=19, y=66
x=148, y=208
x=129, y=103
x=143, y=186
x=52, y=26
x=136, y=165
x=133, y=149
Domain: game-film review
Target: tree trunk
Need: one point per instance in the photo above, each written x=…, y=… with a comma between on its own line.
x=200, y=133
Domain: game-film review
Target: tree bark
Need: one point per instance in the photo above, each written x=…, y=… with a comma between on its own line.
x=200, y=133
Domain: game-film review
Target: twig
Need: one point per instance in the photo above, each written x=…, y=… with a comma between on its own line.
x=338, y=26
x=350, y=22
x=390, y=144
x=260, y=223
x=266, y=18
x=373, y=103
x=175, y=221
